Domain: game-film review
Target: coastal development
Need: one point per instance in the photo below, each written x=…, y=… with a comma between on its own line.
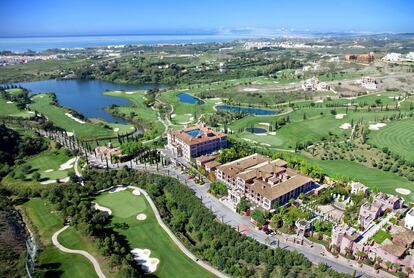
x=214, y=152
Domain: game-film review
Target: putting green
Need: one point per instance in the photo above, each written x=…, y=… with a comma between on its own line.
x=147, y=234
x=123, y=203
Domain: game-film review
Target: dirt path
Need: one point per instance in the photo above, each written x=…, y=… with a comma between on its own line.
x=80, y=252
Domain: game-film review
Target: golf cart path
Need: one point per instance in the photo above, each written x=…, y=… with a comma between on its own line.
x=80, y=252
x=175, y=239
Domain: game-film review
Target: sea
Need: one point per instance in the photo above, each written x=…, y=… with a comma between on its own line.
x=22, y=44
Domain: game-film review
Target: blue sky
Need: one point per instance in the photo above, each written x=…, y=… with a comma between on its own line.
x=64, y=17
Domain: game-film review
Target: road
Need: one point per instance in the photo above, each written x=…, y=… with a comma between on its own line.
x=80, y=252
x=316, y=254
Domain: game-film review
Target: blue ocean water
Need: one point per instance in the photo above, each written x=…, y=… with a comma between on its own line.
x=21, y=44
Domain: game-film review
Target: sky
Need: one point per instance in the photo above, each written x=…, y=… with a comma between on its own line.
x=85, y=17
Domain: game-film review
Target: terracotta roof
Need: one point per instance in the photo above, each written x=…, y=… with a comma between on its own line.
x=405, y=236
x=206, y=134
x=273, y=192
x=393, y=249
x=212, y=164
x=233, y=168
x=206, y=158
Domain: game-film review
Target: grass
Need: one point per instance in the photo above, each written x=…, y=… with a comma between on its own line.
x=51, y=260
x=184, y=111
x=380, y=236
x=10, y=109
x=42, y=103
x=373, y=178
x=300, y=130
x=144, y=114
x=397, y=136
x=148, y=234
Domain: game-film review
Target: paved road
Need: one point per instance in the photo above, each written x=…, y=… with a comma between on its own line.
x=315, y=254
x=80, y=252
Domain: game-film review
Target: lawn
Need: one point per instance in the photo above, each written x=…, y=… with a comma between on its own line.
x=397, y=136
x=373, y=178
x=49, y=159
x=306, y=125
x=144, y=114
x=148, y=234
x=42, y=104
x=185, y=113
x=380, y=236
x=10, y=109
x=54, y=262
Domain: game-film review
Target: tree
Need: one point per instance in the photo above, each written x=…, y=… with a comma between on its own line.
x=257, y=216
x=36, y=176
x=388, y=264
x=218, y=188
x=243, y=205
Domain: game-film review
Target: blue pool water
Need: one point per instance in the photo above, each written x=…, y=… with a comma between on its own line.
x=250, y=110
x=190, y=99
x=256, y=130
x=194, y=132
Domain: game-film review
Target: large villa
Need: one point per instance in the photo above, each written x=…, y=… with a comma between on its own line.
x=262, y=181
x=195, y=141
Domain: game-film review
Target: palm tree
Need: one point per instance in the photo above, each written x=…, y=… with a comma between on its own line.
x=360, y=254
x=408, y=270
x=397, y=267
x=388, y=264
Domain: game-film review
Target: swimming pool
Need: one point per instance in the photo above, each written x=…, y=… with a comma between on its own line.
x=194, y=132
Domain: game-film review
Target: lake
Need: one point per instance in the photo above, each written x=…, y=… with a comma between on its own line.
x=85, y=96
x=250, y=110
x=190, y=99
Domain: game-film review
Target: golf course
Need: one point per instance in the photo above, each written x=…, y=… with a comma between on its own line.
x=144, y=233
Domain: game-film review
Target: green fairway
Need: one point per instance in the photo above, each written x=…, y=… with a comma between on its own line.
x=10, y=109
x=185, y=113
x=148, y=234
x=42, y=104
x=138, y=109
x=319, y=123
x=56, y=263
x=373, y=178
x=46, y=161
x=397, y=136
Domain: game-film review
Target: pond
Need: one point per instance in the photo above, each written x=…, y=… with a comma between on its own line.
x=257, y=130
x=190, y=99
x=250, y=110
x=85, y=96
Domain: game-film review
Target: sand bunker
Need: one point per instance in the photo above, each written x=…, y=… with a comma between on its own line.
x=67, y=179
x=173, y=115
x=376, y=126
x=48, y=170
x=136, y=192
x=319, y=101
x=272, y=133
x=101, y=208
x=249, y=140
x=68, y=164
x=402, y=191
x=340, y=116
x=141, y=216
x=266, y=124
x=345, y=126
x=129, y=93
x=48, y=182
x=142, y=257
x=9, y=102
x=265, y=144
x=118, y=189
x=250, y=89
x=74, y=118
